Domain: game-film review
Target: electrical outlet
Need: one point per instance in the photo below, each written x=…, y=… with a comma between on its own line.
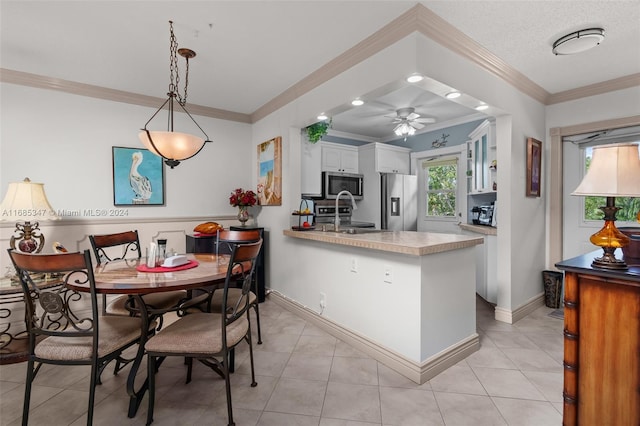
x=323, y=300
x=388, y=274
x=354, y=265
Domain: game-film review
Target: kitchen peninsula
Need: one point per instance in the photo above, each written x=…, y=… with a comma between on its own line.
x=406, y=299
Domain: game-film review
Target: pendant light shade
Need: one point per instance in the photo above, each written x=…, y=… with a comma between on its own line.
x=174, y=146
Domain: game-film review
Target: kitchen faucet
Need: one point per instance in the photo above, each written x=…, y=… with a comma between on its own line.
x=353, y=204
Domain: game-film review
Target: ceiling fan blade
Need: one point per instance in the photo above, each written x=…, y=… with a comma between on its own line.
x=413, y=116
x=416, y=125
x=425, y=120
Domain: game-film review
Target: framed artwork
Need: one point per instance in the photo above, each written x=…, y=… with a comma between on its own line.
x=534, y=161
x=270, y=172
x=138, y=177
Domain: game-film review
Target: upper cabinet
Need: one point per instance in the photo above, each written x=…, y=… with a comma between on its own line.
x=481, y=159
x=339, y=158
x=392, y=159
x=382, y=158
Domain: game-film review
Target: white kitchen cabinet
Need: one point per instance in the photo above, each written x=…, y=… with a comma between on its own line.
x=339, y=158
x=486, y=262
x=392, y=159
x=481, y=163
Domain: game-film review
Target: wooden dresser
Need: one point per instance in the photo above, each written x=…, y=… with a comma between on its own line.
x=601, y=344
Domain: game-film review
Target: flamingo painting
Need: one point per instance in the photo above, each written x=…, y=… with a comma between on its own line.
x=141, y=185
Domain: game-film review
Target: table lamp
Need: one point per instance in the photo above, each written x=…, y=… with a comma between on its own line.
x=614, y=172
x=26, y=203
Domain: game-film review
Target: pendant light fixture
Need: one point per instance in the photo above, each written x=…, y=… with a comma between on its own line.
x=174, y=146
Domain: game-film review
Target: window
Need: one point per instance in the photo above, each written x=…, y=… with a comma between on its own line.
x=441, y=183
x=629, y=207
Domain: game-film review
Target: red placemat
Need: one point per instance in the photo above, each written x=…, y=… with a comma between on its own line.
x=188, y=265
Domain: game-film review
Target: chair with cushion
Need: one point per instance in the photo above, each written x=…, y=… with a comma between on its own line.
x=212, y=301
x=62, y=327
x=210, y=337
x=129, y=243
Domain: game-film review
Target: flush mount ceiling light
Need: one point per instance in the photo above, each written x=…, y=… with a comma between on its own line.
x=578, y=41
x=357, y=102
x=322, y=117
x=414, y=78
x=170, y=145
x=453, y=94
x=482, y=107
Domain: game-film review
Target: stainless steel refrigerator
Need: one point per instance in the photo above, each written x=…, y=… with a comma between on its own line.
x=399, y=197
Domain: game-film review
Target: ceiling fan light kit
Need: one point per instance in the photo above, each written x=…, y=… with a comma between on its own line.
x=578, y=41
x=407, y=122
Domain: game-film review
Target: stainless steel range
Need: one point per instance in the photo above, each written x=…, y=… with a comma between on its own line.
x=325, y=213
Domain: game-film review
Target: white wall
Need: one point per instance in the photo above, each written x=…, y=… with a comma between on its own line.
x=65, y=141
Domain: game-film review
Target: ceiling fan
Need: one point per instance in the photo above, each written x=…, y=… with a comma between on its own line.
x=408, y=121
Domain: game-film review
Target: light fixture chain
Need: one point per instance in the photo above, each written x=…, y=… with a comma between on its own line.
x=174, y=73
x=183, y=101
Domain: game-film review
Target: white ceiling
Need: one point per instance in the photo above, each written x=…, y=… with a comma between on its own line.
x=249, y=52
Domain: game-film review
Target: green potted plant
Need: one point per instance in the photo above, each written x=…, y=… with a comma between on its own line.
x=316, y=131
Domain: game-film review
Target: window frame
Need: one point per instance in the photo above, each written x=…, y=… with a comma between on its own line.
x=428, y=163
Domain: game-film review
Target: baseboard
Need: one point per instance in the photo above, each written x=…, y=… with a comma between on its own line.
x=510, y=317
x=416, y=372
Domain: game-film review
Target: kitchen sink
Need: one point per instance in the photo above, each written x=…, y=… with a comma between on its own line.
x=360, y=230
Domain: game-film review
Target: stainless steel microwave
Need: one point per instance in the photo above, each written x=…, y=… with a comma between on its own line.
x=334, y=182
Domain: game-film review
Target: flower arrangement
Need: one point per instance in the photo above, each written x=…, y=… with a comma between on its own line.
x=242, y=198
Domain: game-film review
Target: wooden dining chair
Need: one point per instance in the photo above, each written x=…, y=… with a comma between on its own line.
x=61, y=327
x=212, y=301
x=128, y=244
x=208, y=336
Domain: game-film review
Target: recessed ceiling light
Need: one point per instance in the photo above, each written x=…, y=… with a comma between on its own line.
x=482, y=107
x=452, y=95
x=414, y=78
x=322, y=117
x=357, y=102
x=578, y=41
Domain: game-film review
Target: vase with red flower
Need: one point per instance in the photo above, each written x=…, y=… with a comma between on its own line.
x=243, y=200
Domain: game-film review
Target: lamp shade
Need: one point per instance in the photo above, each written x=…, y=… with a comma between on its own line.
x=614, y=172
x=26, y=201
x=172, y=145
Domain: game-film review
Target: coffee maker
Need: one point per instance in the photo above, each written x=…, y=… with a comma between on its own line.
x=485, y=217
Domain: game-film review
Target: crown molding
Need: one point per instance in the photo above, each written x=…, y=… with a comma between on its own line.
x=75, y=88
x=417, y=19
x=595, y=89
x=391, y=33
x=433, y=26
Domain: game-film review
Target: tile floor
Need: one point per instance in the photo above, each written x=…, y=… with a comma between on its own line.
x=307, y=377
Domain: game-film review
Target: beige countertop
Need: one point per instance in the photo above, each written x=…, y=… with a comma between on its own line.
x=480, y=229
x=408, y=242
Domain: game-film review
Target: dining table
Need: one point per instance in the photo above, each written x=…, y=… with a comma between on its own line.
x=132, y=277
